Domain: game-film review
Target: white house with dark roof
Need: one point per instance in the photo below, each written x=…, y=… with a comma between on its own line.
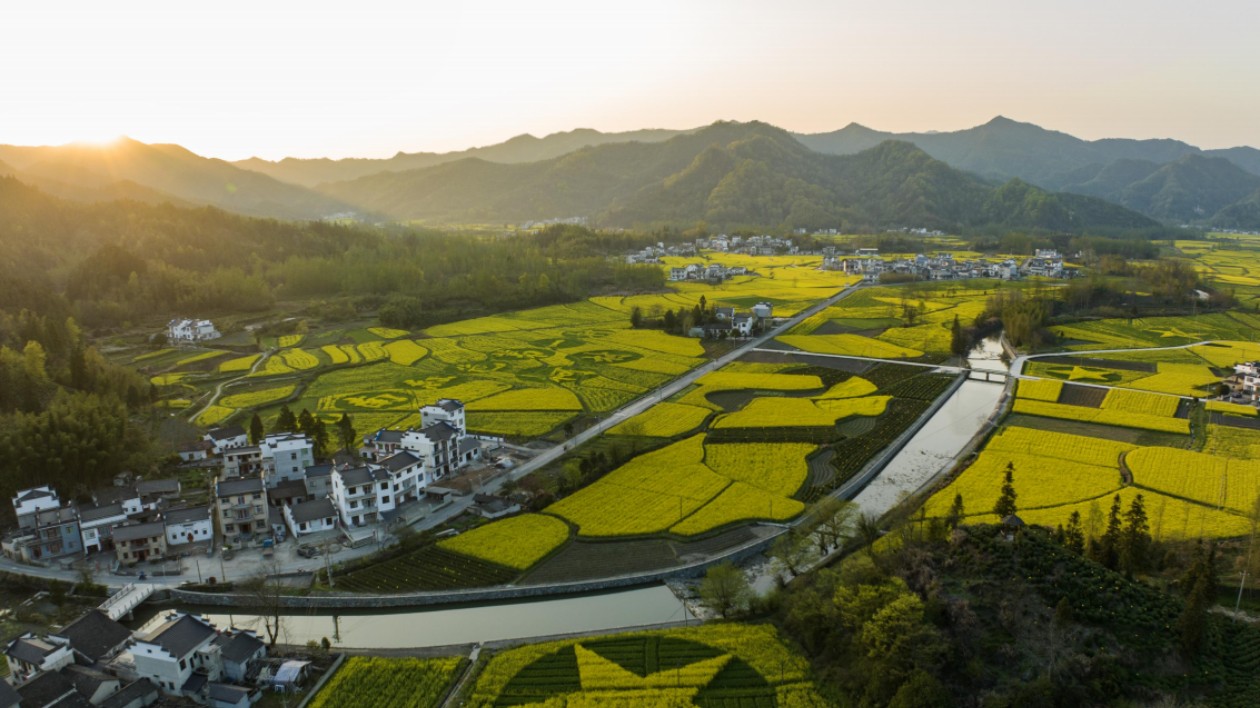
x=29, y=655
x=187, y=331
x=226, y=438
x=441, y=442
x=286, y=457
x=239, y=649
x=29, y=502
x=310, y=517
x=362, y=494
x=54, y=534
x=182, y=644
x=93, y=637
x=96, y=525
x=188, y=525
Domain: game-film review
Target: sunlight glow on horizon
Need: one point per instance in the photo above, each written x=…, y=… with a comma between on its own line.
x=314, y=80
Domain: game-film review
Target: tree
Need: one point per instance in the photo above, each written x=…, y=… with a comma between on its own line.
x=1005, y=505
x=266, y=596
x=832, y=521
x=725, y=590
x=636, y=317
x=1107, y=550
x=1073, y=536
x=957, y=512
x=958, y=341
x=792, y=552
x=320, y=439
x=1135, y=541
x=256, y=431
x=286, y=422
x=346, y=434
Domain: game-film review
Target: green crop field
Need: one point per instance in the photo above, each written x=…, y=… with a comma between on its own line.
x=712, y=665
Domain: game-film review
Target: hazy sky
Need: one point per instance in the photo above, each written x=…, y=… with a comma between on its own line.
x=269, y=78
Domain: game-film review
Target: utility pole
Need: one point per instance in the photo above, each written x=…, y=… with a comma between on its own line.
x=328, y=566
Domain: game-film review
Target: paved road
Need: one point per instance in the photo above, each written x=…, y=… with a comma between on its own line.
x=218, y=390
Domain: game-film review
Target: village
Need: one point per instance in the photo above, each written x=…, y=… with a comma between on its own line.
x=262, y=495
x=866, y=262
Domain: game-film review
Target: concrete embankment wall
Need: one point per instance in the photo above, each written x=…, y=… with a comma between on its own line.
x=507, y=592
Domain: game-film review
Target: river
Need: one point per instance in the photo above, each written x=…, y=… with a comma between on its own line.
x=940, y=440
x=468, y=624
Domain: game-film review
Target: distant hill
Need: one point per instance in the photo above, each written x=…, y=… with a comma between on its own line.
x=728, y=174
x=158, y=173
x=1194, y=187
x=522, y=148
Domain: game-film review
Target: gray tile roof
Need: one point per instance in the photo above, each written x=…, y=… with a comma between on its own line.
x=94, y=634
x=135, y=532
x=32, y=650
x=34, y=494
x=104, y=511
x=361, y=475
x=319, y=470
x=186, y=515
x=46, y=688
x=312, y=510
x=468, y=444
x=85, y=680
x=158, y=486
x=8, y=697
x=450, y=404
x=240, y=647
x=143, y=690
x=229, y=431
x=181, y=636
x=227, y=693
x=439, y=432
x=399, y=461
x=240, y=485
x=387, y=436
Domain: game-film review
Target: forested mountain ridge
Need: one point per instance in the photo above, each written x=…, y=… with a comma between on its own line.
x=1192, y=185
x=158, y=173
x=522, y=148
x=726, y=175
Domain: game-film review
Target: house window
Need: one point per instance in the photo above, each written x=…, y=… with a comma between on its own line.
x=385, y=499
x=183, y=664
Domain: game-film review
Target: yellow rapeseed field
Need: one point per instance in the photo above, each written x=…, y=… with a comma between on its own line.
x=1102, y=416
x=405, y=352
x=1139, y=402
x=738, y=502
x=241, y=363
x=849, y=388
x=253, y=399
x=849, y=345
x=518, y=542
x=529, y=399
x=778, y=468
x=1232, y=408
x=663, y=420
x=1040, y=389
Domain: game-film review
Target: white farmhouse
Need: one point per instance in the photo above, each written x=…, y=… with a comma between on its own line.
x=188, y=525
x=441, y=443
x=170, y=654
x=362, y=494
x=187, y=331
x=306, y=517
x=29, y=502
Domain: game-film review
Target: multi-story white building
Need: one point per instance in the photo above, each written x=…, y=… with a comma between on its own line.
x=96, y=524
x=441, y=443
x=362, y=494
x=29, y=502
x=28, y=655
x=278, y=458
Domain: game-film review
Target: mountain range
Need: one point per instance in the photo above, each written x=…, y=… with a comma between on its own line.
x=726, y=174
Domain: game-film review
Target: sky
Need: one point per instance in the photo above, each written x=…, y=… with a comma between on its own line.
x=313, y=79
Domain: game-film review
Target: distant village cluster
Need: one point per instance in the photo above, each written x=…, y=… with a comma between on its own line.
x=1244, y=384
x=189, y=331
x=866, y=262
